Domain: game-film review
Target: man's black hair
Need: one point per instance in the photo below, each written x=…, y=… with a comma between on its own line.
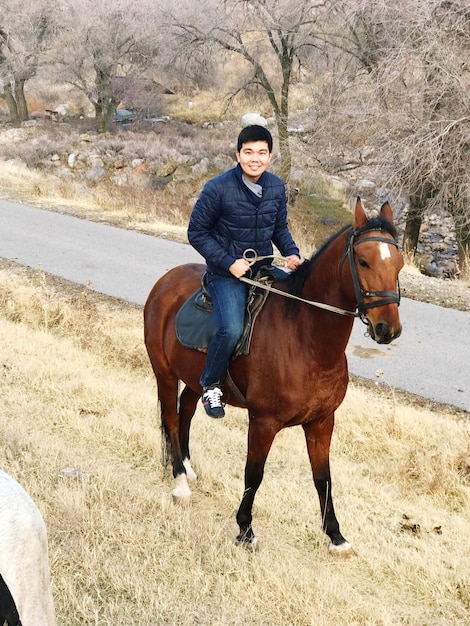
x=255, y=133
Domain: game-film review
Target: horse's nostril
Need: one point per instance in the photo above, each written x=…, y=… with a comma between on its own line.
x=381, y=329
x=382, y=333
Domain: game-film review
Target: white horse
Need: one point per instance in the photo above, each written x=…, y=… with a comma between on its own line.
x=25, y=586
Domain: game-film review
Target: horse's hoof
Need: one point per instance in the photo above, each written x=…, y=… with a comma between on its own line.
x=181, y=493
x=249, y=543
x=343, y=550
x=180, y=500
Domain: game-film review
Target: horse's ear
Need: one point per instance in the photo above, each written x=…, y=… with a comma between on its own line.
x=386, y=212
x=360, y=217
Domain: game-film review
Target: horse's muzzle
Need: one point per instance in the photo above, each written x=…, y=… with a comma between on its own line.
x=381, y=332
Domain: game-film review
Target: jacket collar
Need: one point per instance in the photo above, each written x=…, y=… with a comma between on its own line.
x=238, y=171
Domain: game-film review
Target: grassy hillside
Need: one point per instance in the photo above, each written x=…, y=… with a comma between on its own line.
x=77, y=392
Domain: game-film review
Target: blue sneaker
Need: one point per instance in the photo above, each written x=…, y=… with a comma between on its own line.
x=212, y=401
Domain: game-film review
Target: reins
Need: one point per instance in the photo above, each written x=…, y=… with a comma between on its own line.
x=319, y=305
x=252, y=257
x=386, y=297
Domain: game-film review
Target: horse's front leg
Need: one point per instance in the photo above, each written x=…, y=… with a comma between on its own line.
x=318, y=438
x=260, y=438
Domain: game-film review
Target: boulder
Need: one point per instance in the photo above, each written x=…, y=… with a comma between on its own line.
x=253, y=118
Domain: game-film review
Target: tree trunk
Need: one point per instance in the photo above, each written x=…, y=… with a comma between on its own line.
x=23, y=112
x=411, y=234
x=284, y=148
x=104, y=112
x=418, y=202
x=11, y=103
x=463, y=245
x=105, y=104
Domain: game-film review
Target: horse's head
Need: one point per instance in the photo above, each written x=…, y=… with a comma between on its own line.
x=374, y=263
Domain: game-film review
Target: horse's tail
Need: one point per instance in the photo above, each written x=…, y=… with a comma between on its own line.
x=165, y=440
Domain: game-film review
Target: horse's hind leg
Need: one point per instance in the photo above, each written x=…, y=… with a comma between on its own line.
x=168, y=396
x=318, y=437
x=187, y=408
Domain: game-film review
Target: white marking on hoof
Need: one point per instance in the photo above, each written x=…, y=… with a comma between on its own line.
x=181, y=493
x=343, y=551
x=190, y=473
x=251, y=546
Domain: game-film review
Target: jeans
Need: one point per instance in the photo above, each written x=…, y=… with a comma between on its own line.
x=229, y=299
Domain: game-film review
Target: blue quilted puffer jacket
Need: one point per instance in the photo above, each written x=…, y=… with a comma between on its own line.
x=228, y=218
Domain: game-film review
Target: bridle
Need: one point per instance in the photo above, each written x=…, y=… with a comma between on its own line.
x=352, y=240
x=386, y=297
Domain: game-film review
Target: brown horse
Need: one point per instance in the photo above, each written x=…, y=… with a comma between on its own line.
x=296, y=371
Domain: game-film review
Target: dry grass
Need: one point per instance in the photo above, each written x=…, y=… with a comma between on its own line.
x=77, y=392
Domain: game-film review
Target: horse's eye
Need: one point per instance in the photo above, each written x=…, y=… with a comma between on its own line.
x=363, y=263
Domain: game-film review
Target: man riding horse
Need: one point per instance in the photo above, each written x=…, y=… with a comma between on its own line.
x=244, y=208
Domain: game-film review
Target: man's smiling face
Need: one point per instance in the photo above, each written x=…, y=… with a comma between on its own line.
x=254, y=157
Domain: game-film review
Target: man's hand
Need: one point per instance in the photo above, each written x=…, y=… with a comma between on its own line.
x=239, y=268
x=292, y=262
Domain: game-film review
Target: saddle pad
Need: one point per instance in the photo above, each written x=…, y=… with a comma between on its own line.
x=195, y=323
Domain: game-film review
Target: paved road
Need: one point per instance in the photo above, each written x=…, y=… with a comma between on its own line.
x=430, y=359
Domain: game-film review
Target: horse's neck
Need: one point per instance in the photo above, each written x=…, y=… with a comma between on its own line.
x=324, y=284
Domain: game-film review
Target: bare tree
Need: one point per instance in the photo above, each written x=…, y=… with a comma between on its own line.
x=409, y=78
x=430, y=146
x=25, y=31
x=270, y=36
x=101, y=40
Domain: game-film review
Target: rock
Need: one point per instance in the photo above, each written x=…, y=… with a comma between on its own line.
x=200, y=169
x=329, y=221
x=140, y=169
x=253, y=118
x=62, y=110
x=439, y=246
x=223, y=162
x=159, y=182
x=95, y=173
x=119, y=179
x=168, y=169
x=72, y=472
x=364, y=186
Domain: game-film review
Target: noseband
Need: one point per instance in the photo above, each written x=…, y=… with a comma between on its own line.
x=386, y=297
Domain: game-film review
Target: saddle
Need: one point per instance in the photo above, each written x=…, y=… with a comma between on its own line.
x=196, y=322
